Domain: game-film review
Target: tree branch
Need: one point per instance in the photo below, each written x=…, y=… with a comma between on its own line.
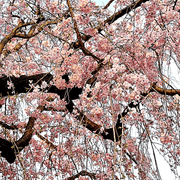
x=21, y=85
x=82, y=173
x=4, y=125
x=108, y=4
x=15, y=32
x=124, y=11
x=117, y=15
x=9, y=150
x=170, y=92
x=96, y=128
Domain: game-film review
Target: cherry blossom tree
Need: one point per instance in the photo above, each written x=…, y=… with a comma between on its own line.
x=85, y=92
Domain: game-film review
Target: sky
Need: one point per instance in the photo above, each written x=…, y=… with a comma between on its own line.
x=164, y=168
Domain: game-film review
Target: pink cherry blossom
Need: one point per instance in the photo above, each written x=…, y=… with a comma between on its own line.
x=88, y=91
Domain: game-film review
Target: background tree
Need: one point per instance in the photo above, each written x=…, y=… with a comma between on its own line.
x=86, y=93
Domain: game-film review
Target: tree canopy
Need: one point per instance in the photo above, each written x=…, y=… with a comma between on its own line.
x=88, y=93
